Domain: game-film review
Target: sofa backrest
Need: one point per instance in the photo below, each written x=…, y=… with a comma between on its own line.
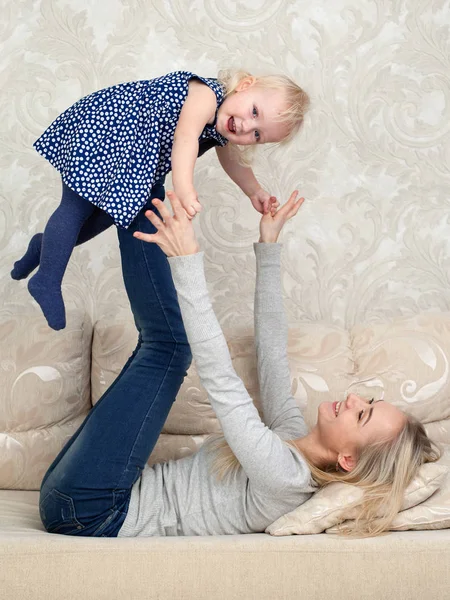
x=51, y=378
x=45, y=394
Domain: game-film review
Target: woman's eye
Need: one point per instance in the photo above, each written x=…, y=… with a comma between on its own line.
x=257, y=136
x=255, y=111
x=371, y=401
x=360, y=414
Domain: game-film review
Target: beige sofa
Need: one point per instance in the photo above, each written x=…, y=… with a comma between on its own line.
x=49, y=382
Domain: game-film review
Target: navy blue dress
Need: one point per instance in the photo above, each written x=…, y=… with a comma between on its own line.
x=113, y=145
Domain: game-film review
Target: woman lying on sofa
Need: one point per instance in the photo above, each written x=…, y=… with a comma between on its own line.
x=100, y=484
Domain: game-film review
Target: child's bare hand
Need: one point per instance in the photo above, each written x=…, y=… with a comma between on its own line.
x=261, y=200
x=274, y=218
x=174, y=233
x=191, y=204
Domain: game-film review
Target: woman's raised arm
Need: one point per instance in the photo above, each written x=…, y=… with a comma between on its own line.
x=268, y=462
x=280, y=410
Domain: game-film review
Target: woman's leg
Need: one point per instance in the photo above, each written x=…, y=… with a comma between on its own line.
x=87, y=489
x=98, y=222
x=59, y=238
x=157, y=191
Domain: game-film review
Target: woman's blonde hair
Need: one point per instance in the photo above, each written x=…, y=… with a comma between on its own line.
x=296, y=98
x=384, y=470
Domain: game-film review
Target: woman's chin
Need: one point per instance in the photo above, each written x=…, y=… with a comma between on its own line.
x=323, y=408
x=325, y=412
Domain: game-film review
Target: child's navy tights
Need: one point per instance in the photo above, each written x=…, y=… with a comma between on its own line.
x=74, y=222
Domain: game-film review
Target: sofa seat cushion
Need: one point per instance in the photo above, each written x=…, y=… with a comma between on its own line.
x=44, y=566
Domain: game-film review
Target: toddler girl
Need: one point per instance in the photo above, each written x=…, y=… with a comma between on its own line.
x=112, y=146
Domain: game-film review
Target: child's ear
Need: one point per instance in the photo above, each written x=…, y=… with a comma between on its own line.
x=245, y=83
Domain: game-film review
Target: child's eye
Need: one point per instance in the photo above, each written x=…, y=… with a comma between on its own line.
x=360, y=414
x=257, y=136
x=255, y=111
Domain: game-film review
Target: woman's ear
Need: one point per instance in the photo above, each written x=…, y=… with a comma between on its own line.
x=347, y=462
x=245, y=83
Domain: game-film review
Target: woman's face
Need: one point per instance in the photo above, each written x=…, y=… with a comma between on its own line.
x=346, y=427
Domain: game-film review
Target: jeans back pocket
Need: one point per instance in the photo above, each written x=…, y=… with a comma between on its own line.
x=58, y=514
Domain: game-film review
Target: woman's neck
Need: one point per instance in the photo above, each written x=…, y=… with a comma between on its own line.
x=314, y=452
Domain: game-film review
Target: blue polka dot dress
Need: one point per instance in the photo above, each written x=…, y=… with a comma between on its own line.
x=113, y=145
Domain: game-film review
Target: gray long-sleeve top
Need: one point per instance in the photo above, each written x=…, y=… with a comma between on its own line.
x=183, y=497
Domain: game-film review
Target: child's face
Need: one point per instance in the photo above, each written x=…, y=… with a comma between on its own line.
x=249, y=115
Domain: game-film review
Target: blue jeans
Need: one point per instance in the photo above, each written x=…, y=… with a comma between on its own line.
x=86, y=490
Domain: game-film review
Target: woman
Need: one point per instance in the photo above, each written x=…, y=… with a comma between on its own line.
x=100, y=484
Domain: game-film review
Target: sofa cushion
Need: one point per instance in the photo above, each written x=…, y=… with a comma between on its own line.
x=406, y=362
x=439, y=431
x=332, y=504
x=321, y=365
x=45, y=397
x=113, y=344
x=172, y=447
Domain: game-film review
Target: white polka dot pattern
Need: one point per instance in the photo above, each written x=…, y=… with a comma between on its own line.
x=111, y=146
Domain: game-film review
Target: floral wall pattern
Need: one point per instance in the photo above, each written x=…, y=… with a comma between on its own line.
x=372, y=240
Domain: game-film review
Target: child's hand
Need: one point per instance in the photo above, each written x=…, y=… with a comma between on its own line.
x=262, y=199
x=274, y=219
x=190, y=203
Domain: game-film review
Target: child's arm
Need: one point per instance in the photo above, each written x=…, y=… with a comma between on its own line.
x=198, y=109
x=243, y=177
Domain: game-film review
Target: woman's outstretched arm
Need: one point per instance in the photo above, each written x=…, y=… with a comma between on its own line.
x=268, y=462
x=280, y=410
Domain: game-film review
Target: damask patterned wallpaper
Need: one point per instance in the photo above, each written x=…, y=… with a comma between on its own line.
x=373, y=160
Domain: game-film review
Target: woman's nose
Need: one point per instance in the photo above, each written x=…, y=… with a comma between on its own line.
x=352, y=400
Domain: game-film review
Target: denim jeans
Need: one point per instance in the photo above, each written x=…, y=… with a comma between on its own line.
x=86, y=491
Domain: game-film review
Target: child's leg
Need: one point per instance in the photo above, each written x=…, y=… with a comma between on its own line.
x=88, y=487
x=58, y=241
x=98, y=222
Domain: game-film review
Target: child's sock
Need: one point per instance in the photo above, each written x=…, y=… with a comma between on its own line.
x=58, y=241
x=30, y=260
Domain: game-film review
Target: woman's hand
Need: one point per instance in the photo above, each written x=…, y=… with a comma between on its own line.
x=262, y=200
x=175, y=234
x=274, y=218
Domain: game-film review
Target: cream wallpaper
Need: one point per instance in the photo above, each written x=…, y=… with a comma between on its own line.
x=373, y=239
